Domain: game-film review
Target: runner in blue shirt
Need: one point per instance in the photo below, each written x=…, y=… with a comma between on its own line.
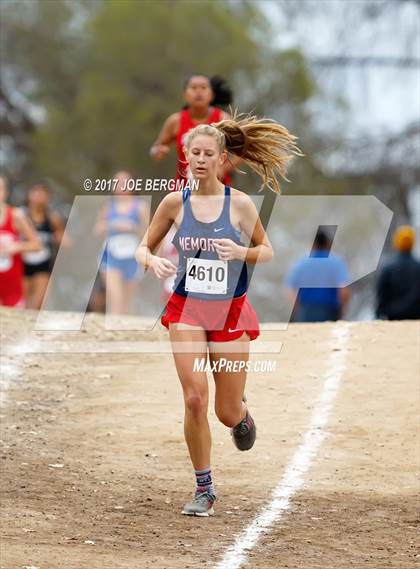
x=122, y=221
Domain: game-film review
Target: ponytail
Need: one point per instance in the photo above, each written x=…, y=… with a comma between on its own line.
x=266, y=146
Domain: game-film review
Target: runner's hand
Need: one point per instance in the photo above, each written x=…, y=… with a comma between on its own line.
x=162, y=267
x=159, y=151
x=229, y=250
x=10, y=249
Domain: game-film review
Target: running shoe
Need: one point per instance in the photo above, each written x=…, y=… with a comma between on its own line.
x=245, y=433
x=201, y=505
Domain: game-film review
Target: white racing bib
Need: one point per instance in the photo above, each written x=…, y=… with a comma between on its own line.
x=36, y=257
x=123, y=246
x=6, y=261
x=206, y=275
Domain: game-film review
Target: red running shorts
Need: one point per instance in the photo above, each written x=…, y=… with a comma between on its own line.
x=12, y=297
x=223, y=320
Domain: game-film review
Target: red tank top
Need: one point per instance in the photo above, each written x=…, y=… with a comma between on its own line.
x=186, y=123
x=11, y=267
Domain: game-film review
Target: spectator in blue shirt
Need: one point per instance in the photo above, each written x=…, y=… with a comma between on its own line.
x=319, y=283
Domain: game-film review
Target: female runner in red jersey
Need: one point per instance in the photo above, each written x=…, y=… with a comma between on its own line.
x=202, y=96
x=208, y=314
x=17, y=236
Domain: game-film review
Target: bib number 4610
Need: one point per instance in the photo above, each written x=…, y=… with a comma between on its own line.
x=207, y=276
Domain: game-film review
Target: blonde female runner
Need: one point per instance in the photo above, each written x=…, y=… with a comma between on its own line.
x=208, y=313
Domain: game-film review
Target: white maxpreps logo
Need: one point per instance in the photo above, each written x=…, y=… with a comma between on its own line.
x=225, y=364
x=218, y=229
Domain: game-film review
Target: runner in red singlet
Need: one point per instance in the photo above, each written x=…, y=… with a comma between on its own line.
x=17, y=236
x=202, y=96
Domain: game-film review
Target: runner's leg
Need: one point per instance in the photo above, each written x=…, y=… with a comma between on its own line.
x=230, y=385
x=195, y=390
x=29, y=290
x=39, y=283
x=114, y=291
x=129, y=288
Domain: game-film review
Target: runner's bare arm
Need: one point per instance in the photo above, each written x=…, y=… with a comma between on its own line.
x=251, y=225
x=58, y=228
x=160, y=225
x=262, y=250
x=290, y=293
x=143, y=217
x=30, y=240
x=344, y=294
x=167, y=136
x=101, y=225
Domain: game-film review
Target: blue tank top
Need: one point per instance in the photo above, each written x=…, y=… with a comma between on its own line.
x=115, y=216
x=122, y=245
x=194, y=240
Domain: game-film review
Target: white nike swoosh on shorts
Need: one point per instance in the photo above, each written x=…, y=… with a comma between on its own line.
x=234, y=330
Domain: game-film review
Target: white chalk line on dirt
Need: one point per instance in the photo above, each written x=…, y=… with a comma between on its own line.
x=12, y=365
x=294, y=477
x=14, y=360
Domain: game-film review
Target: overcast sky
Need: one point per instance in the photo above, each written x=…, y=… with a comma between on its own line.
x=381, y=98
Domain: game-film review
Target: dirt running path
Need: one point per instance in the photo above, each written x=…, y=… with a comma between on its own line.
x=115, y=424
